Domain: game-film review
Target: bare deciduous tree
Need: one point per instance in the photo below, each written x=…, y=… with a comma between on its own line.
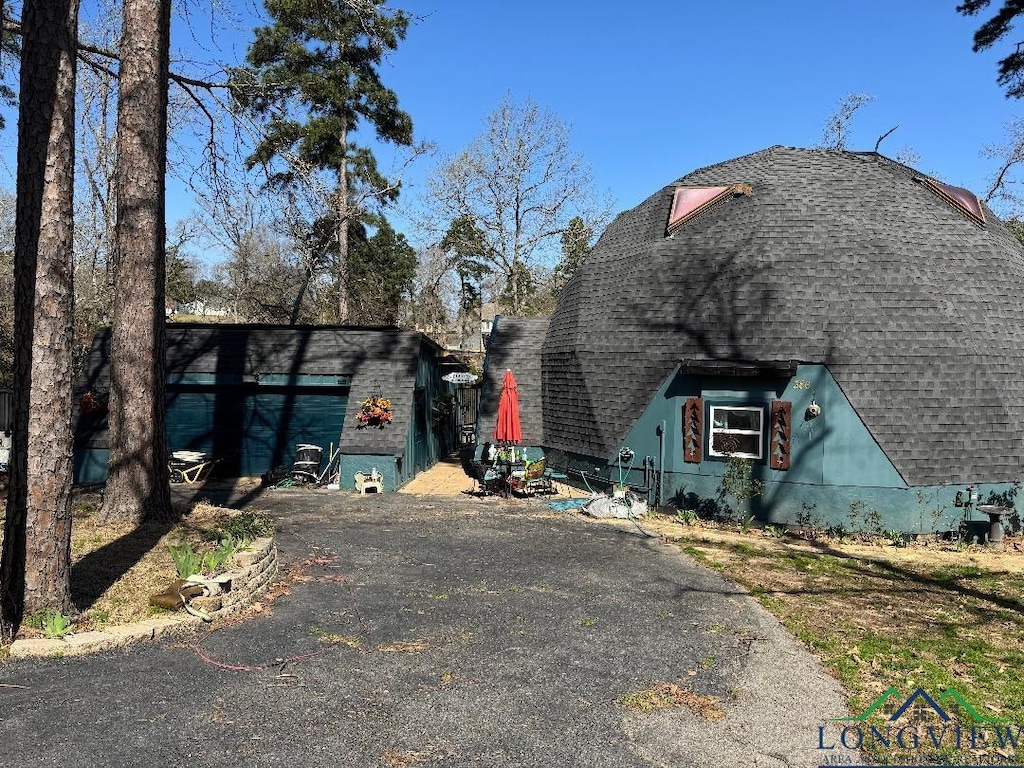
x=314, y=77
x=1010, y=154
x=94, y=188
x=837, y=126
x=520, y=183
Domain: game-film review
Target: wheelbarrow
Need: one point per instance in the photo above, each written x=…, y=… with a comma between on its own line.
x=190, y=466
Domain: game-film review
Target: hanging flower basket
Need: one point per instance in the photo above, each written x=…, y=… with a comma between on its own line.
x=376, y=412
x=94, y=404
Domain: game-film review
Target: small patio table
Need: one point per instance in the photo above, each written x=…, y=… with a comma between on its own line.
x=505, y=469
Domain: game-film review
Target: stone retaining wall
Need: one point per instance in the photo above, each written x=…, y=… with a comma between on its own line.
x=250, y=572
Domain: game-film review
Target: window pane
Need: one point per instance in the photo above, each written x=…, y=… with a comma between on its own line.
x=737, y=419
x=732, y=443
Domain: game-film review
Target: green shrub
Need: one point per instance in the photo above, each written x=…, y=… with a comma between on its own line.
x=186, y=561
x=686, y=516
x=896, y=538
x=247, y=526
x=213, y=561
x=839, y=532
x=51, y=623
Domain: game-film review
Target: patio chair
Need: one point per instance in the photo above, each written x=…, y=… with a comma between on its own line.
x=530, y=480
x=557, y=473
x=485, y=477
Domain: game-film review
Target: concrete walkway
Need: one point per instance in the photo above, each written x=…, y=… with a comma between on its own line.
x=448, y=478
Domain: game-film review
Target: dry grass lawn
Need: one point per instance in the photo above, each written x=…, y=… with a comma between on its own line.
x=116, y=567
x=933, y=615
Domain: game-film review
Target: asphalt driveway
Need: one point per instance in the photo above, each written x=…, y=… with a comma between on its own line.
x=427, y=631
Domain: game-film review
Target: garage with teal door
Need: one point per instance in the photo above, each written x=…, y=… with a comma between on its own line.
x=247, y=395
x=253, y=427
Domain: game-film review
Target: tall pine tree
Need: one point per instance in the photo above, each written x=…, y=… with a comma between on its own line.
x=137, y=484
x=35, y=566
x=1011, y=66
x=313, y=77
x=468, y=248
x=382, y=269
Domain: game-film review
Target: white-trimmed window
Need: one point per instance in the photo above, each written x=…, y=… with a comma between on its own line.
x=736, y=430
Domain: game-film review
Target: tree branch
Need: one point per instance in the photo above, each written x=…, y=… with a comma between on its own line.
x=13, y=26
x=885, y=135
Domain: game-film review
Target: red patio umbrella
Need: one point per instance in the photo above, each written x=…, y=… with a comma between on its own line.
x=508, y=429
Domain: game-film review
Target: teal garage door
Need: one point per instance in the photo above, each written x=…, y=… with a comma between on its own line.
x=252, y=429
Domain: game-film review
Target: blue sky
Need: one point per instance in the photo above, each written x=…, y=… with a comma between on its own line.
x=653, y=90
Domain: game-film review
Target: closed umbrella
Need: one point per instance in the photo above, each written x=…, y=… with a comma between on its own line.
x=508, y=430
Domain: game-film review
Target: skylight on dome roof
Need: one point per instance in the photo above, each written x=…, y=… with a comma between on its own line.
x=690, y=202
x=961, y=199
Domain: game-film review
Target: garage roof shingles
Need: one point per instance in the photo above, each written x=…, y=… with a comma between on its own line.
x=375, y=357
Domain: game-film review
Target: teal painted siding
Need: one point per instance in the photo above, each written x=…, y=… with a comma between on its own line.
x=833, y=449
x=388, y=466
x=924, y=509
x=190, y=420
x=837, y=440
x=429, y=437
x=838, y=473
x=253, y=429
x=278, y=421
x=90, y=465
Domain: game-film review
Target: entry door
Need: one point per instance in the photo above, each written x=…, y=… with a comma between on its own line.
x=420, y=435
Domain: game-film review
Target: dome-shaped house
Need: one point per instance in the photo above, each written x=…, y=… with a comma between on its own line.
x=852, y=327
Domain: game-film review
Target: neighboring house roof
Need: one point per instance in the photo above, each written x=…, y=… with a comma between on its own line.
x=515, y=344
x=374, y=357
x=840, y=258
x=489, y=310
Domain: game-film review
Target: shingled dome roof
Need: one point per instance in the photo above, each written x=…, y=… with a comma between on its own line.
x=847, y=259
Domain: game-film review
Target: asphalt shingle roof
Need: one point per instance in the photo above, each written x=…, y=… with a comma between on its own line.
x=375, y=357
x=835, y=257
x=515, y=344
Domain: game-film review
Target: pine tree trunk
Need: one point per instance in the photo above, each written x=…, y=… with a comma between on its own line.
x=36, y=562
x=137, y=486
x=341, y=267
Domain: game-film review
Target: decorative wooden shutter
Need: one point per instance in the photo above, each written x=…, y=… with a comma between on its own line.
x=781, y=431
x=693, y=430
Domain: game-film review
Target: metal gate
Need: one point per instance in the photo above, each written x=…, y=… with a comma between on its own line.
x=467, y=400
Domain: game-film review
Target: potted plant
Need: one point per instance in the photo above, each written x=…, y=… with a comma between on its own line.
x=376, y=412
x=94, y=404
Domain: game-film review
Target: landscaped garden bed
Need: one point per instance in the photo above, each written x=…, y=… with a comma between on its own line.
x=118, y=568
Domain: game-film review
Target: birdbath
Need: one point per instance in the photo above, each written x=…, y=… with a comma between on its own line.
x=996, y=515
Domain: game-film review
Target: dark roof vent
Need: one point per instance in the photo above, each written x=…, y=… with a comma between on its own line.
x=961, y=199
x=690, y=202
x=700, y=367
